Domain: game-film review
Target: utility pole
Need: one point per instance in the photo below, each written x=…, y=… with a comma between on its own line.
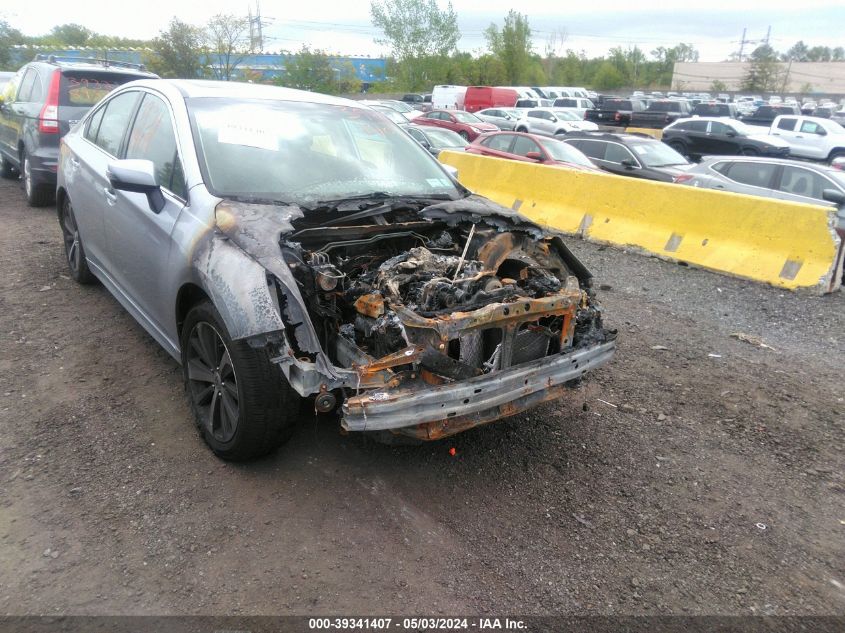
x=256, y=36
x=786, y=76
x=768, y=35
x=742, y=43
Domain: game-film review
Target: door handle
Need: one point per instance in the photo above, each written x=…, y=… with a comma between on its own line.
x=718, y=186
x=111, y=196
x=798, y=136
x=74, y=161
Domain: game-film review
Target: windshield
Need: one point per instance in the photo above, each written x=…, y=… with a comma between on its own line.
x=399, y=106
x=657, y=154
x=566, y=153
x=466, y=117
x=567, y=115
x=307, y=152
x=445, y=138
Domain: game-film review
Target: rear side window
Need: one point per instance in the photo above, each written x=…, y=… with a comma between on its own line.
x=722, y=168
x=85, y=88
x=787, y=124
x=94, y=125
x=115, y=120
x=152, y=138
x=524, y=145
x=617, y=153
x=593, y=149
x=29, y=80
x=754, y=174
x=499, y=142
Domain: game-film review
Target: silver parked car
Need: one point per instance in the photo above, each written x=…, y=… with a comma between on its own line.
x=784, y=179
x=503, y=118
x=285, y=245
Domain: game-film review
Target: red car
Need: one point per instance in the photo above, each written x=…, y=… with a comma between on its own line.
x=532, y=149
x=467, y=125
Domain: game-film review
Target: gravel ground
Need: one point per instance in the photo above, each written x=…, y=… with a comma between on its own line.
x=698, y=473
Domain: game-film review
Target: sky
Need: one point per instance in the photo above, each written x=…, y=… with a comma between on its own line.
x=343, y=26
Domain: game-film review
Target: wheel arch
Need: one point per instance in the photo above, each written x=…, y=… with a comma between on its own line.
x=189, y=295
x=835, y=152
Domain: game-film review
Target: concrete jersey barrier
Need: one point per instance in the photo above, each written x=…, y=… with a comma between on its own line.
x=782, y=243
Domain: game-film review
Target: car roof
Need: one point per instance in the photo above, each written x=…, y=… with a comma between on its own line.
x=118, y=68
x=708, y=160
x=200, y=88
x=610, y=136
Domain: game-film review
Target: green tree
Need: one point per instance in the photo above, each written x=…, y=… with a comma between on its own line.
x=608, y=77
x=764, y=72
x=71, y=35
x=416, y=31
x=819, y=54
x=666, y=59
x=798, y=52
x=226, y=42
x=490, y=71
x=838, y=54
x=177, y=52
x=718, y=86
x=9, y=37
x=309, y=70
x=512, y=45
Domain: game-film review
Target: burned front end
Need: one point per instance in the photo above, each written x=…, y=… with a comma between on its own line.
x=430, y=320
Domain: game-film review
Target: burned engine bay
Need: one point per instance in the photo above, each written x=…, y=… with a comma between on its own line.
x=435, y=296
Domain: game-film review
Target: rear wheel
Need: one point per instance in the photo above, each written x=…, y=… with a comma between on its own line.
x=74, y=252
x=679, y=147
x=37, y=195
x=464, y=135
x=750, y=151
x=242, y=403
x=7, y=170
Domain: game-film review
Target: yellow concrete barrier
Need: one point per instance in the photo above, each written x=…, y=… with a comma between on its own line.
x=658, y=134
x=782, y=243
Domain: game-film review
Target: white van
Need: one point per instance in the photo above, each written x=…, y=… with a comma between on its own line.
x=448, y=97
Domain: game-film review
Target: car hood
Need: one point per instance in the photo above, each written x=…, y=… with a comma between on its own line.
x=769, y=139
x=673, y=170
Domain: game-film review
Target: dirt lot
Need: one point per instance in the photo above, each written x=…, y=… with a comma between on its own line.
x=697, y=474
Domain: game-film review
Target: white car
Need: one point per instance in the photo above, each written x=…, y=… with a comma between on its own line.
x=578, y=105
x=810, y=137
x=553, y=122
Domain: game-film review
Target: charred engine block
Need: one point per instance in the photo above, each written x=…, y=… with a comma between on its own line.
x=414, y=288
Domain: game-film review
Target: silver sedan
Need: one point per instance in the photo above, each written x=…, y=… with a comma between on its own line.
x=284, y=245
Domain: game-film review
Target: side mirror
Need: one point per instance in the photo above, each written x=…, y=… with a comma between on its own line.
x=534, y=156
x=137, y=176
x=730, y=133
x=833, y=195
x=821, y=132
x=627, y=163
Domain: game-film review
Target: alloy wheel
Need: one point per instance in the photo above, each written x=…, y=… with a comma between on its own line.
x=27, y=176
x=212, y=383
x=70, y=234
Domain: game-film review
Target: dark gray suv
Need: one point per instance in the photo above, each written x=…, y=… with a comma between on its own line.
x=40, y=104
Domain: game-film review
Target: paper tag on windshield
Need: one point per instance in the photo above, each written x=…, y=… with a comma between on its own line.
x=248, y=135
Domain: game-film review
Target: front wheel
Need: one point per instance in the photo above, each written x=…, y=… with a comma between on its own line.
x=464, y=135
x=749, y=151
x=241, y=402
x=679, y=147
x=74, y=253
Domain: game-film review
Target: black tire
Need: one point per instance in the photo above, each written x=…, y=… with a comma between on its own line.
x=522, y=129
x=241, y=402
x=7, y=169
x=679, y=147
x=464, y=135
x=36, y=195
x=74, y=252
x=750, y=151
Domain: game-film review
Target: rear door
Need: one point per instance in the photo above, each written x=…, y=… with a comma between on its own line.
x=22, y=113
x=498, y=145
x=138, y=239
x=754, y=178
